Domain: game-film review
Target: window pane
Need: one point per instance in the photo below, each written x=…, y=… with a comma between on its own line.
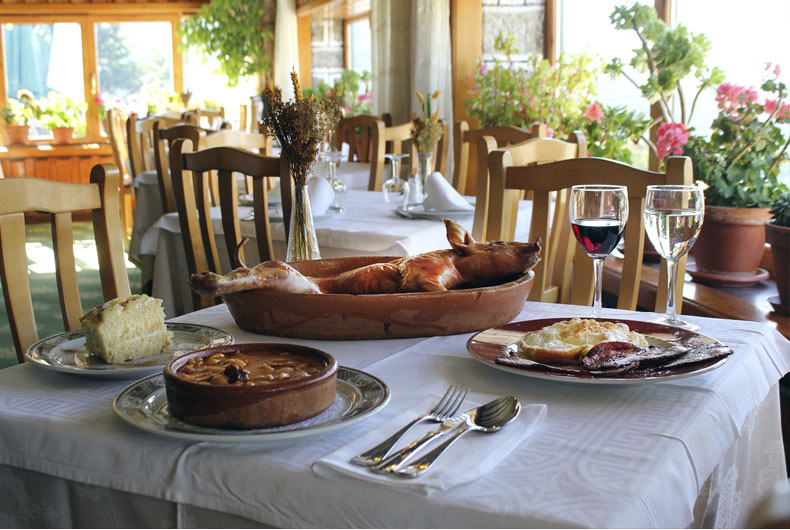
x=210, y=89
x=135, y=63
x=359, y=43
x=43, y=58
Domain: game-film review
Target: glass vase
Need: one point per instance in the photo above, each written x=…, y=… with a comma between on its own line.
x=424, y=166
x=302, y=241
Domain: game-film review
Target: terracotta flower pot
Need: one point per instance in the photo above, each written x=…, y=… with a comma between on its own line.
x=62, y=135
x=730, y=246
x=17, y=134
x=779, y=239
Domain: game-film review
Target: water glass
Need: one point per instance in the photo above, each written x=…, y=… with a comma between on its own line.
x=393, y=184
x=673, y=218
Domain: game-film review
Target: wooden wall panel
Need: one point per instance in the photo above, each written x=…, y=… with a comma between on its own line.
x=63, y=169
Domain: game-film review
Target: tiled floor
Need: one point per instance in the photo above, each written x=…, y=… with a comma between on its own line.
x=43, y=286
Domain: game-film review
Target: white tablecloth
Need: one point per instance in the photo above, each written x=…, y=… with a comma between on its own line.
x=699, y=451
x=368, y=227
x=148, y=206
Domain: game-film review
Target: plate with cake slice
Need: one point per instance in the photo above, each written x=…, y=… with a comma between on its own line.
x=121, y=339
x=597, y=351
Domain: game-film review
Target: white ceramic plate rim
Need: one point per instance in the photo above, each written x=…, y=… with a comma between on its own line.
x=203, y=434
x=119, y=371
x=423, y=214
x=602, y=381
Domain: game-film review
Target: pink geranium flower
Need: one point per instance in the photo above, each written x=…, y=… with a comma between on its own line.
x=594, y=112
x=671, y=139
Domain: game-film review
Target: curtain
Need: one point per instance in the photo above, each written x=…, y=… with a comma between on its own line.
x=286, y=46
x=411, y=51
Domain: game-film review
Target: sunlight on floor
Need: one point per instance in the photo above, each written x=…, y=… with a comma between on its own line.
x=41, y=258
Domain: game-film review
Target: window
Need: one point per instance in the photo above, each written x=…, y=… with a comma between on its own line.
x=357, y=44
x=42, y=58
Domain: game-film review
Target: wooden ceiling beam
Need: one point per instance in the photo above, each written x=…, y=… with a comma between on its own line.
x=131, y=8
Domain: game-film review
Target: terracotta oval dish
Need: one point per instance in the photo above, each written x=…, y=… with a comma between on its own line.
x=242, y=386
x=375, y=316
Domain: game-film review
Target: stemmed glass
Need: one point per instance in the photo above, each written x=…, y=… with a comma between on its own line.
x=598, y=214
x=393, y=184
x=673, y=218
x=332, y=159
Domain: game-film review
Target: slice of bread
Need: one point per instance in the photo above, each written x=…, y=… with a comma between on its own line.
x=569, y=340
x=122, y=330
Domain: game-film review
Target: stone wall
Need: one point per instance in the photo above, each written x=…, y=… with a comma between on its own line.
x=522, y=18
x=327, y=54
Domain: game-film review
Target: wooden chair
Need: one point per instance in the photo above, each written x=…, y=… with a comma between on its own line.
x=528, y=152
x=59, y=199
x=365, y=137
x=140, y=143
x=206, y=118
x=120, y=153
x=243, y=111
x=163, y=140
x=463, y=138
x=193, y=203
x=253, y=142
x=508, y=179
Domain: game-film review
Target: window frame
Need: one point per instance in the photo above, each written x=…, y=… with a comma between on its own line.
x=88, y=16
x=347, y=37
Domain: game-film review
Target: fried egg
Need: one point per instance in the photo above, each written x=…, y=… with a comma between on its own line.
x=569, y=340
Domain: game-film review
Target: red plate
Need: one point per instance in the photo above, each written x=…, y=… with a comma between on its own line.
x=487, y=345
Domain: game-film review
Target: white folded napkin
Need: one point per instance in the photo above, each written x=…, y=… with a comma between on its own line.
x=467, y=459
x=321, y=195
x=440, y=195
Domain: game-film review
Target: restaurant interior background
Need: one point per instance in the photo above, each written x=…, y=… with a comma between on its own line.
x=128, y=55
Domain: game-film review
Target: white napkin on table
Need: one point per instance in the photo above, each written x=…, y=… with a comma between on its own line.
x=467, y=459
x=442, y=197
x=321, y=195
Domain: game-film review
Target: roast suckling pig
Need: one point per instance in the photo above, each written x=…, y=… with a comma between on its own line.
x=468, y=263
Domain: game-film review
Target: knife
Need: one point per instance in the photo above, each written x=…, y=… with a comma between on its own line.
x=394, y=460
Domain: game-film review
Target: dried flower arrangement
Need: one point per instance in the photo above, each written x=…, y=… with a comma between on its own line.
x=426, y=129
x=299, y=125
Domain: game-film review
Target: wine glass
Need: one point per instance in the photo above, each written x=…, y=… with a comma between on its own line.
x=393, y=184
x=598, y=214
x=673, y=218
x=332, y=159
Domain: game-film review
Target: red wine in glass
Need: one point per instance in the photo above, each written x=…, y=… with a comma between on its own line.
x=598, y=237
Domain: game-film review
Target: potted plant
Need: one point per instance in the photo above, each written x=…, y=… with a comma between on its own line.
x=777, y=233
x=61, y=115
x=16, y=116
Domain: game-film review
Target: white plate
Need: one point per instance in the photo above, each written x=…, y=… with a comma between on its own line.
x=143, y=404
x=487, y=345
x=431, y=214
x=66, y=352
x=273, y=199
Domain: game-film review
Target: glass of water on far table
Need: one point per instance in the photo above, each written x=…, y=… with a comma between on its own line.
x=393, y=184
x=673, y=218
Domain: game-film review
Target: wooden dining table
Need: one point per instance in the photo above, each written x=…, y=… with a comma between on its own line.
x=698, y=451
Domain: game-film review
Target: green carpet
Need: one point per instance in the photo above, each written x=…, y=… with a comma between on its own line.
x=43, y=286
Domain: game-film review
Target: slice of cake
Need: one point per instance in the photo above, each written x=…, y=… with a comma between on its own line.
x=122, y=330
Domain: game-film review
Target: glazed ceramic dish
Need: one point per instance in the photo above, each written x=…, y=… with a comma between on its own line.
x=256, y=402
x=379, y=316
x=486, y=346
x=143, y=405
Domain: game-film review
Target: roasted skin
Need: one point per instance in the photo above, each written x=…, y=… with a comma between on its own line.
x=467, y=264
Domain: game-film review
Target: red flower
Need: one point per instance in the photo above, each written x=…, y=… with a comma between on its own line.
x=594, y=112
x=671, y=139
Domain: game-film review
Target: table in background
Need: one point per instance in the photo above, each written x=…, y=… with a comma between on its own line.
x=148, y=206
x=368, y=227
x=697, y=451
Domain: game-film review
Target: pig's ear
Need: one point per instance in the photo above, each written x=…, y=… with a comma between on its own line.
x=458, y=237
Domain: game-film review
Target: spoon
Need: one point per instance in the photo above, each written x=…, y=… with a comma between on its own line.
x=487, y=418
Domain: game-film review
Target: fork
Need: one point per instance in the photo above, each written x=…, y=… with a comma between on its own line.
x=444, y=409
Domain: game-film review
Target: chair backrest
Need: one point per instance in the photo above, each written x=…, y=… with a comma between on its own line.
x=212, y=118
x=194, y=205
x=117, y=135
x=243, y=111
x=163, y=140
x=140, y=140
x=59, y=199
x=463, y=138
x=508, y=179
x=365, y=137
